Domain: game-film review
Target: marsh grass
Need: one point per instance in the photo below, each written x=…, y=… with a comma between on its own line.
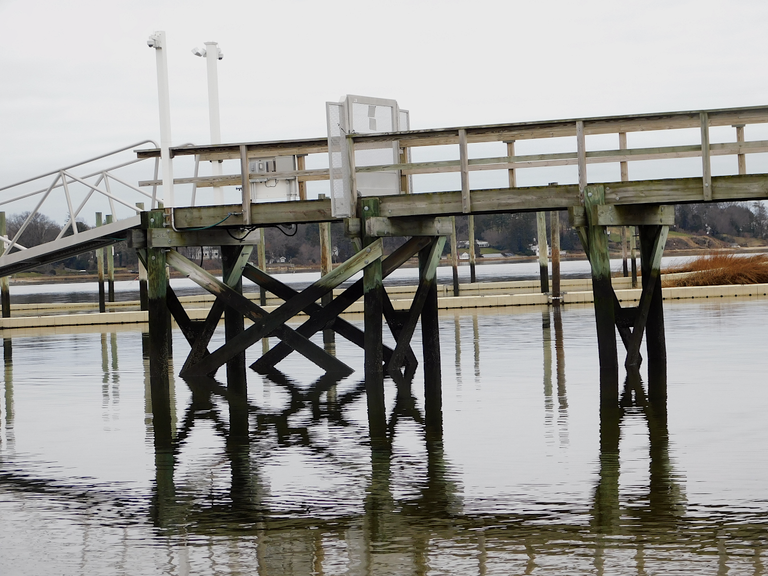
x=721, y=269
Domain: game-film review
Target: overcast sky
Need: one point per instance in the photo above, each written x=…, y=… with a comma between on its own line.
x=78, y=78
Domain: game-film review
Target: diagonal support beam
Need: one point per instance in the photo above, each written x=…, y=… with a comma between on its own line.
x=649, y=287
x=323, y=316
x=422, y=292
x=618, y=310
x=252, y=311
x=396, y=319
x=319, y=319
x=200, y=345
x=276, y=319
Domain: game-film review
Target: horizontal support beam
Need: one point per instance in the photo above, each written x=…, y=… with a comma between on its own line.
x=379, y=226
x=168, y=238
x=624, y=215
x=492, y=201
x=262, y=214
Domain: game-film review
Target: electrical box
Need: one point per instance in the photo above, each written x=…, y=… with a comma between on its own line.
x=269, y=180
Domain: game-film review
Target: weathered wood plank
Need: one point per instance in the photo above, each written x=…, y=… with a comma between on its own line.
x=167, y=238
x=388, y=227
x=625, y=215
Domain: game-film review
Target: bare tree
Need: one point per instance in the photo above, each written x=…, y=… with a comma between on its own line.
x=40, y=229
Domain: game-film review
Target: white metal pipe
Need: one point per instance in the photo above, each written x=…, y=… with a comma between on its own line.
x=212, y=56
x=158, y=42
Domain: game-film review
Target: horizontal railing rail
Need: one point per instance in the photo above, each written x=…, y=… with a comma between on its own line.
x=65, y=188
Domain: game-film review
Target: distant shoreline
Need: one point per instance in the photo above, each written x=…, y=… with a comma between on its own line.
x=127, y=276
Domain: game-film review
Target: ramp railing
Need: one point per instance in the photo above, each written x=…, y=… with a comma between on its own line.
x=75, y=188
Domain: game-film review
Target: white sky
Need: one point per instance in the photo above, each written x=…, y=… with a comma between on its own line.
x=78, y=78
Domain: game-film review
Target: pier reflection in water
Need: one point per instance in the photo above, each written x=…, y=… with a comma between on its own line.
x=496, y=478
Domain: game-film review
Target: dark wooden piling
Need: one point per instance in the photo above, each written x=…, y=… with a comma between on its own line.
x=110, y=255
x=554, y=224
x=655, y=338
x=100, y=269
x=159, y=317
x=234, y=323
x=261, y=260
x=326, y=266
x=430, y=342
x=143, y=298
x=633, y=256
x=541, y=239
x=454, y=257
x=5, y=290
x=373, y=288
x=472, y=255
x=597, y=247
x=624, y=267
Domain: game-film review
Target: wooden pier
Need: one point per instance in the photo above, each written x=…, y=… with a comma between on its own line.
x=423, y=220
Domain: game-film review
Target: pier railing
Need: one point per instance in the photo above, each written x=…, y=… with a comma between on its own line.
x=584, y=140
x=75, y=188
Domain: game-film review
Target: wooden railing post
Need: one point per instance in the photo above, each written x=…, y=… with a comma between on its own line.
x=100, y=268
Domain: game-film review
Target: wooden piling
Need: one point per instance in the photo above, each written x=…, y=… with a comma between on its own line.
x=326, y=266
x=100, y=269
x=262, y=263
x=110, y=255
x=633, y=255
x=541, y=239
x=234, y=323
x=430, y=341
x=374, y=359
x=655, y=338
x=159, y=318
x=143, y=298
x=554, y=224
x=472, y=276
x=624, y=267
x=5, y=289
x=454, y=257
x=597, y=247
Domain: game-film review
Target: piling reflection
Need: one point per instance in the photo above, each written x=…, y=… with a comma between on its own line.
x=6, y=415
x=550, y=319
x=664, y=504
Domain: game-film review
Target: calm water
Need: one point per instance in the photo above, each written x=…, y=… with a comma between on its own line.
x=523, y=481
